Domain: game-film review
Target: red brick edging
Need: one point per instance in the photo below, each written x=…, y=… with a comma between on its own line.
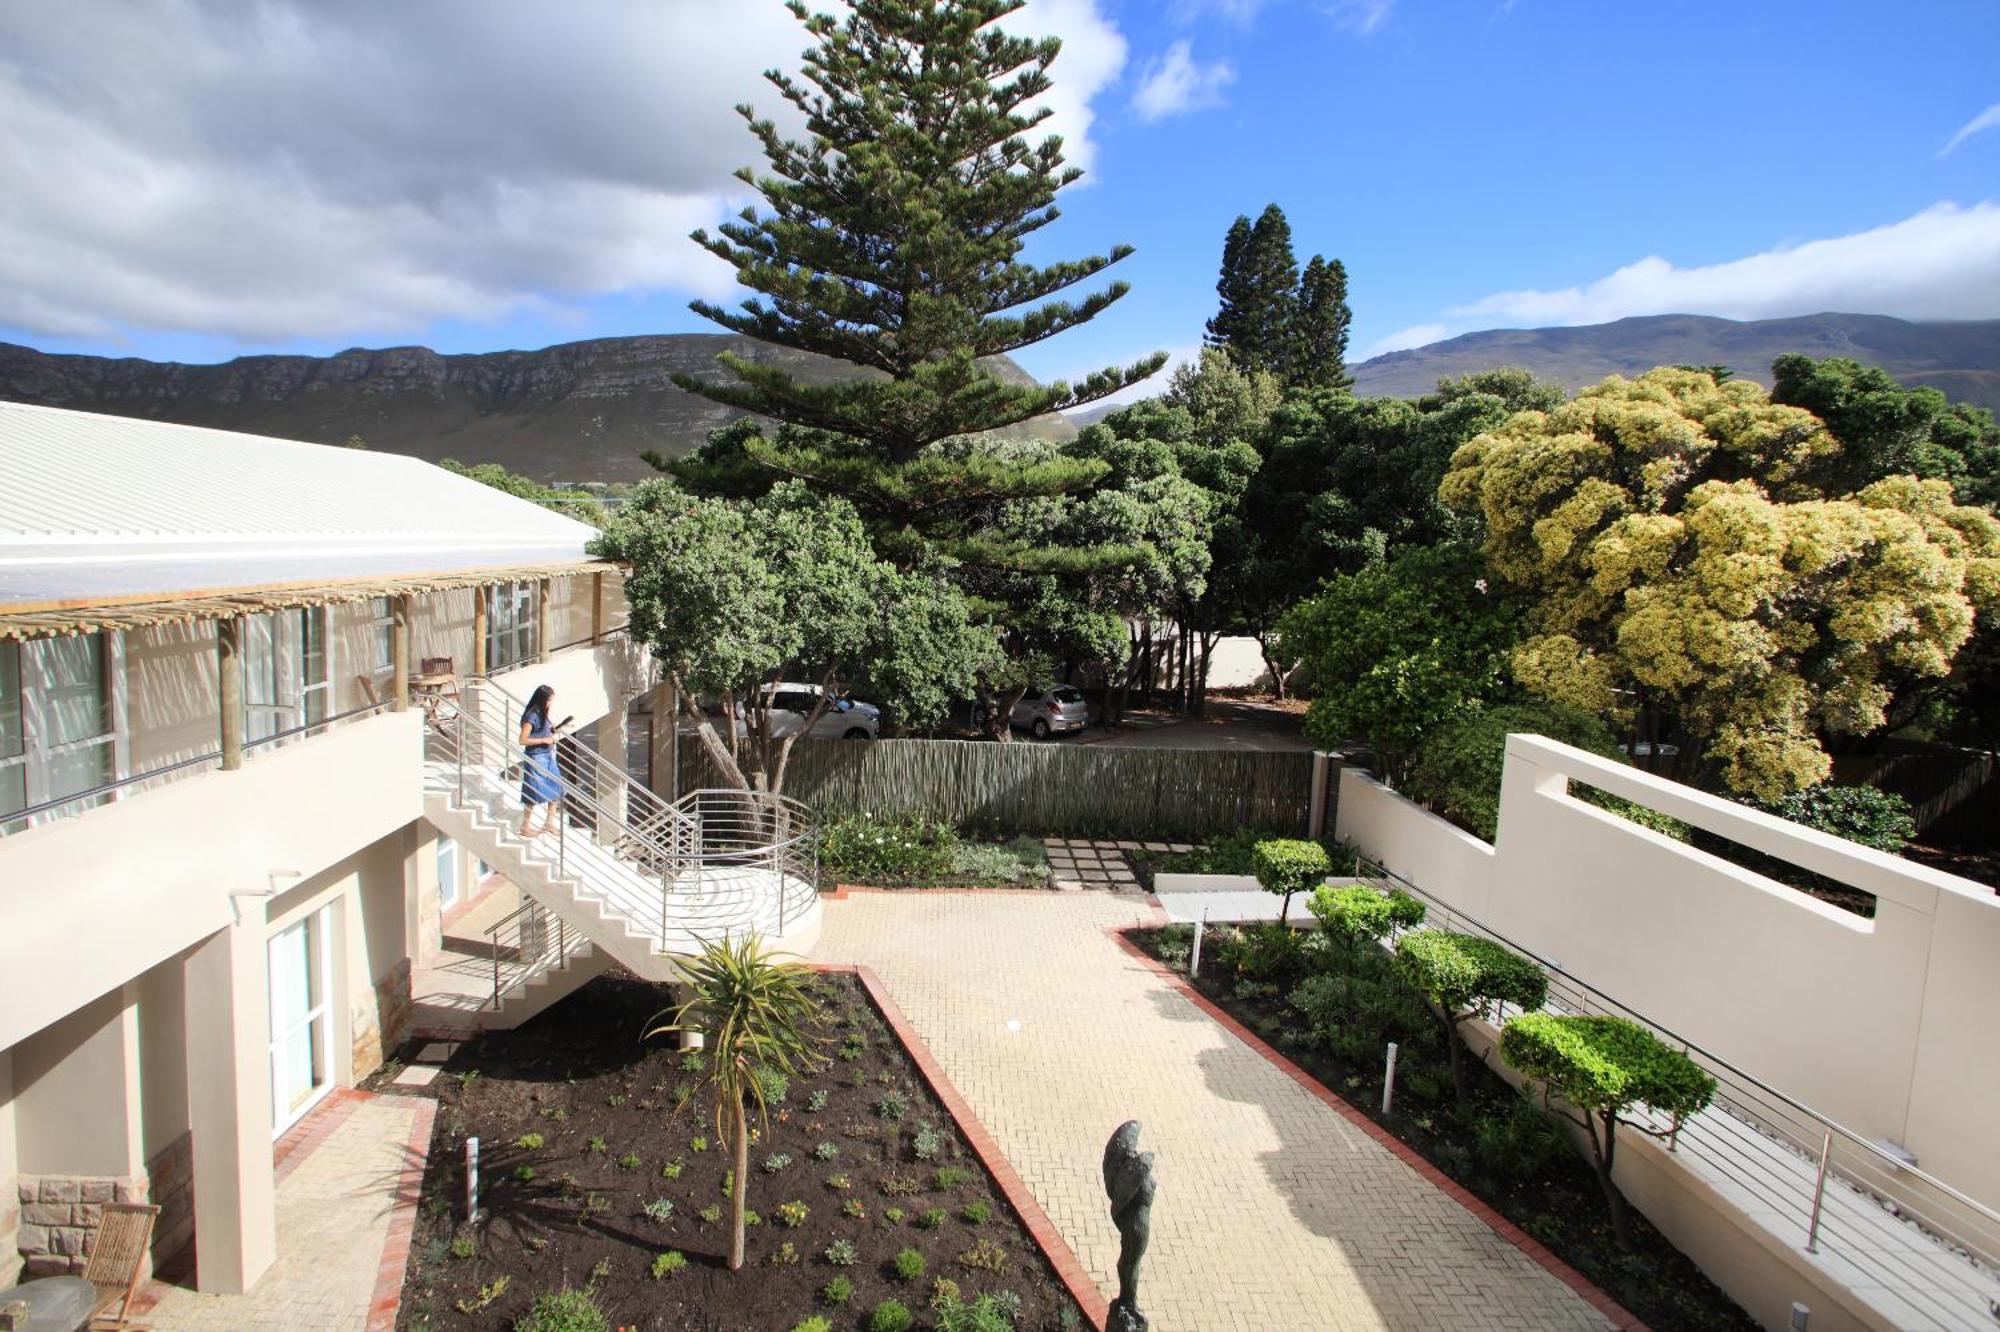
x=1621, y=1318
x=1054, y=1247
x=388, y=1301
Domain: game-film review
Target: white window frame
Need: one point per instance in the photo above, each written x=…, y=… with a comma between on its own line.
x=318, y=926
x=512, y=623
x=295, y=698
x=381, y=637
x=36, y=759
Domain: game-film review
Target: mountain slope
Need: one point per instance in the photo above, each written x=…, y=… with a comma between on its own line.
x=581, y=411
x=1962, y=360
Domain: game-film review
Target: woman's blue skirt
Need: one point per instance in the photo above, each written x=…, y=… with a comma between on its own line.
x=540, y=782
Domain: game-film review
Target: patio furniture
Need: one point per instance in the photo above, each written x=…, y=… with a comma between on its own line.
x=118, y=1262
x=52, y=1304
x=435, y=691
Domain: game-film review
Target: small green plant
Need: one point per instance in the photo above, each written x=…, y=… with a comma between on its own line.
x=660, y=1210
x=909, y=1265
x=775, y=1162
x=698, y=1145
x=785, y=1255
x=838, y=1291
x=597, y=1146
x=945, y=1293
x=841, y=1253
x=893, y=1105
x=893, y=1215
x=772, y=1082
x=793, y=1214
x=928, y=1142
x=839, y=1183
x=826, y=1151
x=1287, y=865
x=671, y=1170
x=890, y=1316
x=668, y=1263
x=694, y=1061
x=854, y=1209
x=817, y=1101
x=812, y=1324
x=711, y=1213
x=564, y=1311
x=902, y=1186
x=488, y=1293
x=463, y=1247
x=629, y=1161
x=858, y=1078
x=557, y=1113
x=530, y=1142
x=729, y=1183
x=976, y=1214
x=946, y=1178
x=991, y=1312
x=595, y=1204
x=985, y=1255
x=524, y=1173
x=931, y=1218
x=615, y=1100
x=750, y=1218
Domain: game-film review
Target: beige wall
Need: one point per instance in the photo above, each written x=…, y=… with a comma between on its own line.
x=76, y=1084
x=1884, y=1025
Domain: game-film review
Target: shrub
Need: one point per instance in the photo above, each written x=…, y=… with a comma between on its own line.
x=1265, y=951
x=530, y=1142
x=838, y=1291
x=1286, y=865
x=1457, y=768
x=976, y=1214
x=890, y=1316
x=1174, y=943
x=840, y=1183
x=1874, y=818
x=711, y=1213
x=792, y=1215
x=813, y=1324
x=931, y=1218
x=1355, y=912
x=909, y=1265
x=597, y=1146
x=1520, y=1144
x=524, y=1173
x=865, y=846
x=772, y=1083
x=698, y=1145
x=985, y=1256
x=564, y=1311
x=985, y=1314
x=668, y=1263
x=1021, y=861
x=841, y=1253
x=928, y=1142
x=893, y=1105
x=660, y=1210
x=946, y=1178
x=463, y=1247
x=629, y=1161
x=1460, y=974
x=855, y=1209
x=1234, y=853
x=785, y=1255
x=671, y=1170
x=816, y=1102
x=893, y=1215
x=775, y=1162
x=1603, y=1066
x=826, y=1151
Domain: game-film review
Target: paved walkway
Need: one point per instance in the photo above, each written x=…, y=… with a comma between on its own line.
x=1274, y=1211
x=348, y=1179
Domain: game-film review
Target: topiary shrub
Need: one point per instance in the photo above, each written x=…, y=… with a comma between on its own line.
x=1351, y=913
x=564, y=1311
x=1604, y=1066
x=1287, y=865
x=1460, y=974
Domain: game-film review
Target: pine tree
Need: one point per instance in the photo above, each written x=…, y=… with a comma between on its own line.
x=892, y=241
x=1318, y=354
x=1259, y=278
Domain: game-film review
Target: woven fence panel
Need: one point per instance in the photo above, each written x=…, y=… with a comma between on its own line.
x=1047, y=789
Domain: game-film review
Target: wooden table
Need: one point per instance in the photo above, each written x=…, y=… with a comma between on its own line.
x=54, y=1304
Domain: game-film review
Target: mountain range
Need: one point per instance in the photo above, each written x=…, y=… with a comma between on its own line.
x=585, y=411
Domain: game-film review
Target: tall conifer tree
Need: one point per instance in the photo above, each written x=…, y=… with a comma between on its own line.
x=1258, y=291
x=892, y=241
x=1318, y=354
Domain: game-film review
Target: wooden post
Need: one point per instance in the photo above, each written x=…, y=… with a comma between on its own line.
x=596, y=608
x=399, y=650
x=479, y=633
x=543, y=596
x=229, y=691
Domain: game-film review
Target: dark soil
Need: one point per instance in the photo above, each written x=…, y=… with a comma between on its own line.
x=1529, y=1176
x=570, y=1213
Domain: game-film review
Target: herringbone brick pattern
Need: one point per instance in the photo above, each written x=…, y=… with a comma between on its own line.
x=1274, y=1212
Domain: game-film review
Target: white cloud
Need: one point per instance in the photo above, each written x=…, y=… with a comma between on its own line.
x=1176, y=82
x=1943, y=263
x=302, y=170
x=1360, y=17
x=1985, y=120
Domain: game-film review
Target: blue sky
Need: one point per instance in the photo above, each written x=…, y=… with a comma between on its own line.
x=188, y=183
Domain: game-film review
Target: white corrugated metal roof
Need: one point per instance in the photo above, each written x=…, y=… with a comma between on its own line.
x=100, y=506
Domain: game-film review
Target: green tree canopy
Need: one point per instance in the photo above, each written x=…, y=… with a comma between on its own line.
x=1318, y=354
x=1288, y=865
x=1886, y=429
x=1259, y=292
x=1460, y=975
x=1683, y=573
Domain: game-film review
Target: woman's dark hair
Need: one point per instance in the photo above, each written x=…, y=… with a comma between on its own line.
x=538, y=703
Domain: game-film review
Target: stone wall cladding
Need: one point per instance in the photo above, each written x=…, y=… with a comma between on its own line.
x=10, y=1231
x=379, y=1028
x=59, y=1215
x=171, y=1186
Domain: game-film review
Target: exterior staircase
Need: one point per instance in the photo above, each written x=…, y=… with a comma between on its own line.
x=622, y=877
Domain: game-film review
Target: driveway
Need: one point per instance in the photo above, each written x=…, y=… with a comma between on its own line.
x=1230, y=723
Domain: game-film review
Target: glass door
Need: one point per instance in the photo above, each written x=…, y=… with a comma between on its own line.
x=287, y=672
x=301, y=1064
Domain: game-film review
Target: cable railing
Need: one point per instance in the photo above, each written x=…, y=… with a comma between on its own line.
x=1895, y=1226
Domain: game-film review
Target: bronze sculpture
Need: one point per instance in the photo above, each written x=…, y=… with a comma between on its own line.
x=1129, y=1180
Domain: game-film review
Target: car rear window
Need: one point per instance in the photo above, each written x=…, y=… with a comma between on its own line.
x=1065, y=695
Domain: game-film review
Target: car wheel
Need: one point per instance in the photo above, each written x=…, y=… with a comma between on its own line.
x=1041, y=728
x=857, y=733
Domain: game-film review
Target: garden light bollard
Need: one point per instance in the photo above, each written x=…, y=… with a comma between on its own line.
x=1194, y=958
x=472, y=1180
x=1389, y=1080
x=1819, y=1193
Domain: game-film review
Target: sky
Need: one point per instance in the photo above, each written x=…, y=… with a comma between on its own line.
x=201, y=179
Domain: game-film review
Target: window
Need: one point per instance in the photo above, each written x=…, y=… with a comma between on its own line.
x=301, y=1045
x=382, y=637
x=447, y=869
x=510, y=624
x=57, y=731
x=287, y=672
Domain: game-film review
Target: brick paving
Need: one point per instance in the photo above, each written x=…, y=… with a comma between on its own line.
x=348, y=1179
x=1275, y=1210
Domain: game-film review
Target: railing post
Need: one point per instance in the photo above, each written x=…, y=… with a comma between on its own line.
x=596, y=608
x=544, y=593
x=1819, y=1193
x=479, y=632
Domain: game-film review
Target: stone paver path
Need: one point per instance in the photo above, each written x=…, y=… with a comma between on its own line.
x=337, y=1198
x=1274, y=1211
x=1100, y=866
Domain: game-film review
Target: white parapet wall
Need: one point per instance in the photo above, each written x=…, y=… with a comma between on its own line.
x=1885, y=1024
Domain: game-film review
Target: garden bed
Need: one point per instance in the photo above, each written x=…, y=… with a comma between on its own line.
x=591, y=1175
x=1497, y=1143
x=911, y=852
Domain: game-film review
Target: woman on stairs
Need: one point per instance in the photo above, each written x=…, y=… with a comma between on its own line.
x=541, y=782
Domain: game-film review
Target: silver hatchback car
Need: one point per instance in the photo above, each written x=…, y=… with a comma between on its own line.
x=1048, y=712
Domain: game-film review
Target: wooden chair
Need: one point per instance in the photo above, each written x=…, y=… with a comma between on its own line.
x=117, y=1263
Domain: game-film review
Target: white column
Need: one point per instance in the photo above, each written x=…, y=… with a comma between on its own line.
x=229, y=1107
x=612, y=737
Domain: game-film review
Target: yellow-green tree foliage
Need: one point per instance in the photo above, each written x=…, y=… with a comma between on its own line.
x=1679, y=557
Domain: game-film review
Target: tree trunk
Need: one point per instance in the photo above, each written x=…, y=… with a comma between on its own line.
x=1453, y=1052
x=1147, y=663
x=1001, y=724
x=1208, y=637
x=739, y=1194
x=1604, y=1157
x=1276, y=672
x=719, y=757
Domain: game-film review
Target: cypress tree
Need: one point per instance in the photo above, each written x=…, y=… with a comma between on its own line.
x=892, y=241
x=1318, y=356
